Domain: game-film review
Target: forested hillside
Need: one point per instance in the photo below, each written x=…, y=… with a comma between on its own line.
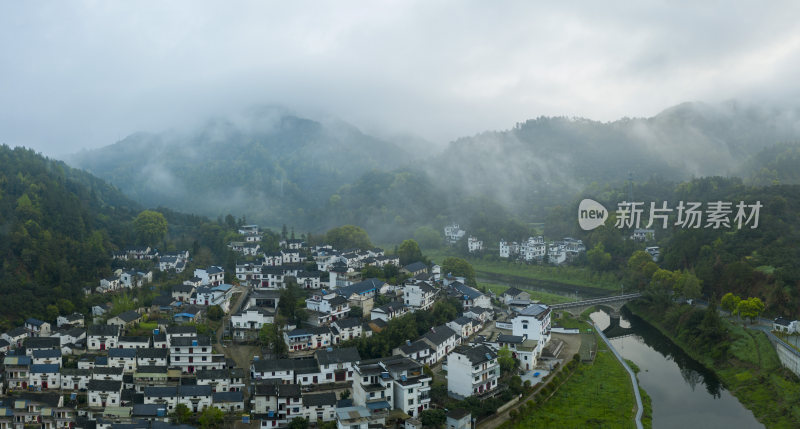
x=267, y=165
x=543, y=162
x=759, y=261
x=58, y=227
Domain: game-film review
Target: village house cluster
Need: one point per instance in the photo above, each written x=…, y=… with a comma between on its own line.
x=536, y=249
x=120, y=375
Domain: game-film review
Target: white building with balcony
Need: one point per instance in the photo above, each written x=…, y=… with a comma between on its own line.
x=472, y=371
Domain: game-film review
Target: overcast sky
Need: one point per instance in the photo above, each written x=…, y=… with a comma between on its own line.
x=79, y=75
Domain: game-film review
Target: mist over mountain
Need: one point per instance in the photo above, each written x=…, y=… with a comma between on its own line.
x=544, y=161
x=266, y=164
x=275, y=167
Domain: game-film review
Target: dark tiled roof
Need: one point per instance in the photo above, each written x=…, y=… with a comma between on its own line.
x=279, y=390
x=104, y=330
x=227, y=397
x=46, y=353
x=122, y=353
x=350, y=322
x=42, y=343
x=105, y=385
x=477, y=354
x=347, y=354
x=297, y=365
x=129, y=316
x=360, y=288
x=439, y=334
x=320, y=399
x=415, y=266
x=151, y=353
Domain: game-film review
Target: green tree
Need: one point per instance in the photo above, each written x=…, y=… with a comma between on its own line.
x=348, y=236
x=271, y=336
x=51, y=311
x=730, y=302
x=182, y=413
x=598, y=258
x=640, y=269
x=434, y=418
x=150, y=227
x=459, y=268
x=428, y=238
x=211, y=417
x=215, y=312
x=506, y=360
x=750, y=308
x=663, y=283
x=298, y=423
x=409, y=252
x=688, y=285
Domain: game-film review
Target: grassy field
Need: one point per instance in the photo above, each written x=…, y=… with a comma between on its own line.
x=576, y=276
x=544, y=297
x=597, y=395
x=752, y=373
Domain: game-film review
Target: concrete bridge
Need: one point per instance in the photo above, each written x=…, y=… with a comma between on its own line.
x=614, y=303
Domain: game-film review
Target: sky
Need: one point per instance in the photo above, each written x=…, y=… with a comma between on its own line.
x=84, y=74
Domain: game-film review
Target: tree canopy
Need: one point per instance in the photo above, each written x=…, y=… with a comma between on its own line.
x=348, y=236
x=150, y=227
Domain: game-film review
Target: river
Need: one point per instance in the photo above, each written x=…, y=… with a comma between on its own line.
x=684, y=393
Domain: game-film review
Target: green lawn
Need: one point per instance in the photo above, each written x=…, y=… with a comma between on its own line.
x=544, y=297
x=578, y=276
x=597, y=395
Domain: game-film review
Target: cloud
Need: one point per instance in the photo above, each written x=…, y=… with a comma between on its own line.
x=85, y=74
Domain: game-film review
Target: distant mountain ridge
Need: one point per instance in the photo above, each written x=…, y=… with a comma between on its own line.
x=540, y=160
x=267, y=164
x=274, y=166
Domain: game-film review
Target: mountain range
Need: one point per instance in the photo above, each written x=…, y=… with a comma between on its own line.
x=271, y=165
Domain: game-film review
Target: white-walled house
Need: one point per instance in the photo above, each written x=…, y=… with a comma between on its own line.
x=474, y=245
x=453, y=233
x=389, y=311
x=419, y=296
x=782, y=324
x=327, y=308
x=102, y=337
x=246, y=324
x=472, y=371
x=104, y=393
x=533, y=323
x=469, y=296
x=213, y=275
x=442, y=340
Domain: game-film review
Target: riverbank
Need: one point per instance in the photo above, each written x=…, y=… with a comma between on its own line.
x=544, y=297
x=749, y=367
x=597, y=394
x=551, y=276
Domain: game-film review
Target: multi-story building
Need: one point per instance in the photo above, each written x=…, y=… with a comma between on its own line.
x=472, y=371
x=324, y=309
x=194, y=353
x=308, y=338
x=419, y=296
x=17, y=371
x=533, y=322
x=394, y=382
x=474, y=245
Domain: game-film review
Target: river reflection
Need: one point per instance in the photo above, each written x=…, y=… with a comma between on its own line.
x=684, y=393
